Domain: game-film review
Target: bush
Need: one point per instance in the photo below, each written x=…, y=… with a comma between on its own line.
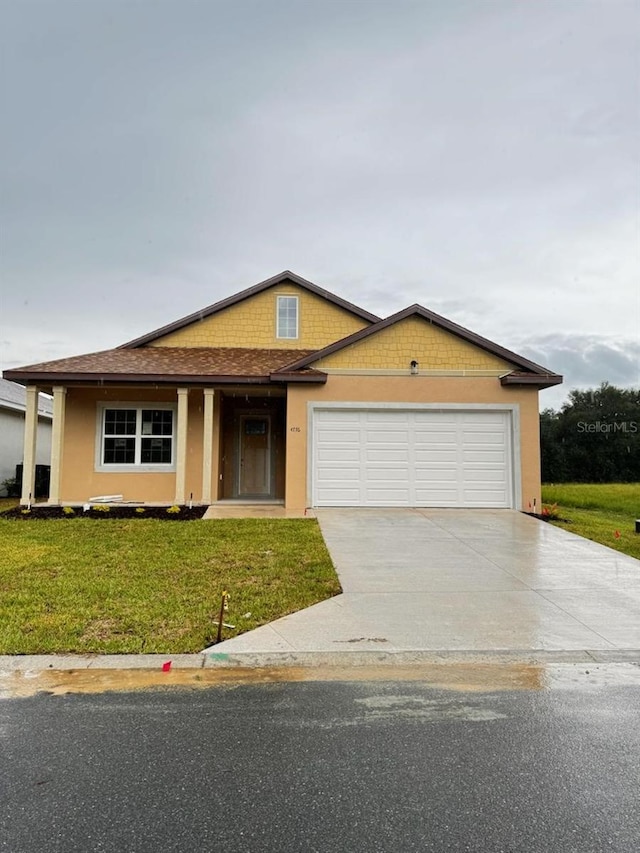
x=11, y=487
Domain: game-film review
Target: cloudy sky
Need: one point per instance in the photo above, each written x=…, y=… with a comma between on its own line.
x=480, y=158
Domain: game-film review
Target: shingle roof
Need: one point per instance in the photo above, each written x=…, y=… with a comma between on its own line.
x=166, y=365
x=14, y=396
x=135, y=362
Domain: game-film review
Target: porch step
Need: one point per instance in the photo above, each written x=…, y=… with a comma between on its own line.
x=254, y=511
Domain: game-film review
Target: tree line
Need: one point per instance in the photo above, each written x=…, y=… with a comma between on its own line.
x=594, y=438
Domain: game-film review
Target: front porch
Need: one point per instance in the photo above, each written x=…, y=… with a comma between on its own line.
x=218, y=443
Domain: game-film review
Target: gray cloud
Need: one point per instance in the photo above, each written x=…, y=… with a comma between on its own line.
x=480, y=159
x=585, y=361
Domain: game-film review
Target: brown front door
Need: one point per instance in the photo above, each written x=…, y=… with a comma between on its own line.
x=254, y=476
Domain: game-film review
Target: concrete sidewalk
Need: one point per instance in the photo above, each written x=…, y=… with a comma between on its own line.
x=35, y=666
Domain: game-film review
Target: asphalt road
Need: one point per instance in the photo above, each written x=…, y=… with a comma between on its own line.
x=333, y=766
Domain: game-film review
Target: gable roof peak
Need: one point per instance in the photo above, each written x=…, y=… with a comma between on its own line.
x=467, y=335
x=285, y=275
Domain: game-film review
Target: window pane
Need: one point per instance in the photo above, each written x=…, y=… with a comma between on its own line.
x=120, y=421
x=137, y=436
x=255, y=426
x=157, y=422
x=287, y=316
x=156, y=450
x=119, y=451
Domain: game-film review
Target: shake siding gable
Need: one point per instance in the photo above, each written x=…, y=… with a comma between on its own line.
x=413, y=339
x=252, y=323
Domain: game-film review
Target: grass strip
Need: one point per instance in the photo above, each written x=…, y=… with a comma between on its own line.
x=602, y=512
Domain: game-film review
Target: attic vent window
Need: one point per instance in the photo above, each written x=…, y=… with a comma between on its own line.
x=287, y=317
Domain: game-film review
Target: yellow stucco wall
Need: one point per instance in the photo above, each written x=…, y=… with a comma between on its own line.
x=410, y=389
x=413, y=339
x=80, y=480
x=252, y=323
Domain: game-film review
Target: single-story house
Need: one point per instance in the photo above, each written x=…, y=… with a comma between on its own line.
x=12, y=418
x=287, y=393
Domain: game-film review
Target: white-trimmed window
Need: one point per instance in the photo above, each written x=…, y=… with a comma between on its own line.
x=287, y=316
x=136, y=436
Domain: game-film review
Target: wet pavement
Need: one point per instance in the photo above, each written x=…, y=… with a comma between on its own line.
x=437, y=579
x=518, y=758
x=488, y=675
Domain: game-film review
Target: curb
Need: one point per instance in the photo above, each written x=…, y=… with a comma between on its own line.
x=33, y=664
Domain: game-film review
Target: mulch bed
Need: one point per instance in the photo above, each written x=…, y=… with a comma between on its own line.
x=548, y=516
x=121, y=512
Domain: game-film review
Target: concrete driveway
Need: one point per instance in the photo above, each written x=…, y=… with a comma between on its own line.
x=460, y=580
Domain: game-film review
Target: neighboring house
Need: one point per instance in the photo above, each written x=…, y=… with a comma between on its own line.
x=286, y=392
x=12, y=415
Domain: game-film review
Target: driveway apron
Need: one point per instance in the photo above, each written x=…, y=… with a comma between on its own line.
x=460, y=580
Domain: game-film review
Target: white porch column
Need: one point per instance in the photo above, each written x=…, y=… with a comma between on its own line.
x=57, y=439
x=29, y=454
x=207, y=445
x=181, y=445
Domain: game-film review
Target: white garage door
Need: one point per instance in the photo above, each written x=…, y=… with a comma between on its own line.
x=398, y=457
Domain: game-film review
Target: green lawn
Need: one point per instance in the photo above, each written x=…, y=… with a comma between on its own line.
x=109, y=586
x=597, y=511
